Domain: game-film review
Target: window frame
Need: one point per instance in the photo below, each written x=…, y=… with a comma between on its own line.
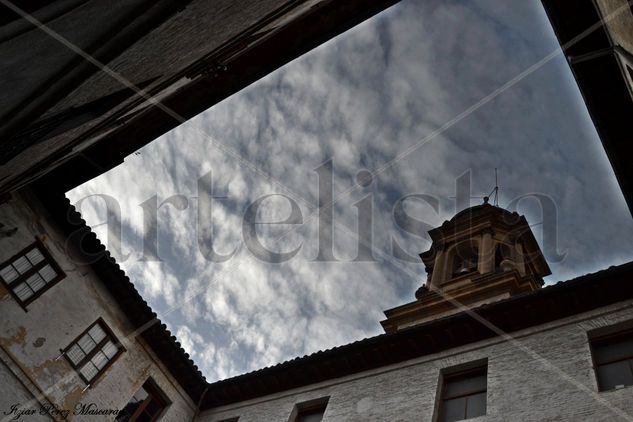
x=309, y=406
x=48, y=260
x=472, y=246
x=503, y=251
x=462, y=372
x=153, y=392
x=605, y=339
x=98, y=347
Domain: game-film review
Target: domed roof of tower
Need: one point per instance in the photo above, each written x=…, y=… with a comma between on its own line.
x=486, y=209
x=475, y=214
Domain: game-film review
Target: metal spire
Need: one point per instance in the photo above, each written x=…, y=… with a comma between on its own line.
x=495, y=190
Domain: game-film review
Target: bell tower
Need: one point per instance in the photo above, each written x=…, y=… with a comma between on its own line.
x=483, y=254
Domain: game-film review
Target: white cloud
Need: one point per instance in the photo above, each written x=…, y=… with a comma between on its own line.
x=191, y=341
x=362, y=98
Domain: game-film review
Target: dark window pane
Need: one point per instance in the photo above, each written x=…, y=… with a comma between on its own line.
x=476, y=405
x=465, y=257
x=143, y=417
x=461, y=386
x=131, y=407
x=614, y=374
x=454, y=410
x=617, y=350
x=148, y=397
x=311, y=416
x=126, y=414
x=153, y=408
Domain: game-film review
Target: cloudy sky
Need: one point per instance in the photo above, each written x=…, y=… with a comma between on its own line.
x=412, y=95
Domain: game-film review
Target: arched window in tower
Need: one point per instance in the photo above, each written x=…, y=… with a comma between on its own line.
x=503, y=258
x=465, y=258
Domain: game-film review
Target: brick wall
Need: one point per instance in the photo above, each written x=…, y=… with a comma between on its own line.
x=524, y=382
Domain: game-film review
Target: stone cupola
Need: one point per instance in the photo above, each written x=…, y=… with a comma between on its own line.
x=483, y=254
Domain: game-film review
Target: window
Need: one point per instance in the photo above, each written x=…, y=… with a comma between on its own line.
x=613, y=360
x=465, y=258
x=463, y=395
x=30, y=273
x=94, y=351
x=311, y=411
x=503, y=253
x=145, y=406
x=313, y=415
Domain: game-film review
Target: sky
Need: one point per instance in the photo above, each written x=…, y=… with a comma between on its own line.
x=426, y=95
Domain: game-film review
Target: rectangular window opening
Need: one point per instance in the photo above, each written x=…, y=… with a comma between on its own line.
x=93, y=351
x=147, y=405
x=613, y=360
x=311, y=411
x=463, y=394
x=31, y=272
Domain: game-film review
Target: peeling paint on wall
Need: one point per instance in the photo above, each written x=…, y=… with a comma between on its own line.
x=16, y=335
x=73, y=396
x=4, y=293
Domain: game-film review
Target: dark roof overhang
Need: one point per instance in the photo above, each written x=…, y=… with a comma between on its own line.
x=594, y=63
x=74, y=166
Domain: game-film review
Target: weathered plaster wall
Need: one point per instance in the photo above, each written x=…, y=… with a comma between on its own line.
x=32, y=340
x=619, y=21
x=618, y=16
x=12, y=393
x=521, y=386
